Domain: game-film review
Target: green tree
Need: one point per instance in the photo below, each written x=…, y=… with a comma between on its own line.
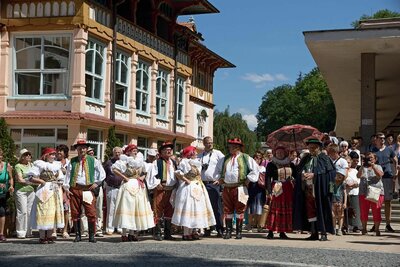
x=7, y=143
x=228, y=126
x=381, y=14
x=307, y=102
x=112, y=141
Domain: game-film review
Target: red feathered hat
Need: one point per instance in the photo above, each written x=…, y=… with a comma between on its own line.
x=81, y=143
x=235, y=141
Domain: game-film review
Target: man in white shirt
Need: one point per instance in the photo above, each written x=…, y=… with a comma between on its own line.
x=163, y=182
x=84, y=174
x=209, y=160
x=237, y=170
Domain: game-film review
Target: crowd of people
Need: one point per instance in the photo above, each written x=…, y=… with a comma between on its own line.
x=327, y=188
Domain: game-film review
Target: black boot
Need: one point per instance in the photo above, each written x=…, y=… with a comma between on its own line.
x=270, y=234
x=157, y=232
x=282, y=235
x=239, y=224
x=77, y=228
x=228, y=229
x=167, y=230
x=314, y=232
x=324, y=237
x=92, y=231
x=220, y=232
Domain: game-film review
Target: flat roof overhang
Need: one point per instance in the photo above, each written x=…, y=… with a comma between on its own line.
x=338, y=56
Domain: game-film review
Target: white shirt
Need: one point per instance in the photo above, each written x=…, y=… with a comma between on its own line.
x=232, y=170
x=151, y=173
x=99, y=174
x=153, y=181
x=211, y=158
x=340, y=163
x=352, y=179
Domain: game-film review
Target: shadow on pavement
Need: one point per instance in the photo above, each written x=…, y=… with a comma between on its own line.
x=147, y=258
x=374, y=243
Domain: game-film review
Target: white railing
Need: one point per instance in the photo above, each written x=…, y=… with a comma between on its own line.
x=103, y=16
x=41, y=9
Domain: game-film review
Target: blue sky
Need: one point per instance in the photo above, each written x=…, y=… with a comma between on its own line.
x=264, y=39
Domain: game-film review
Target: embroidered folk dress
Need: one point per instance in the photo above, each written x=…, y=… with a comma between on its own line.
x=132, y=208
x=192, y=204
x=280, y=173
x=48, y=210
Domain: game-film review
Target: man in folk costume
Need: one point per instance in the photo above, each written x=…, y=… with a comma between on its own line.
x=237, y=170
x=163, y=183
x=313, y=192
x=82, y=180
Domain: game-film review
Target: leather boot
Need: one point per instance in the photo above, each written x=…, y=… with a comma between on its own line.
x=228, y=229
x=157, y=232
x=77, y=227
x=92, y=232
x=167, y=230
x=314, y=232
x=239, y=224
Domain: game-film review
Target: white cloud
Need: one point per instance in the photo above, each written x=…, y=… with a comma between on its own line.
x=261, y=79
x=251, y=120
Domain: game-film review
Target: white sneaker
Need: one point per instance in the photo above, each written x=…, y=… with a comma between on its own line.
x=99, y=234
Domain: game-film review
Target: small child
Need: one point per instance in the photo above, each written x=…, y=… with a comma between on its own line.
x=339, y=200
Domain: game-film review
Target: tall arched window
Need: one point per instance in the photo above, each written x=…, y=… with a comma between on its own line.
x=162, y=94
x=122, y=80
x=180, y=104
x=94, y=75
x=143, y=87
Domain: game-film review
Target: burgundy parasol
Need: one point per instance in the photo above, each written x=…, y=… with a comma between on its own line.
x=292, y=136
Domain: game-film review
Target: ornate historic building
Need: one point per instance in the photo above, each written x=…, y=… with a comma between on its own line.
x=56, y=79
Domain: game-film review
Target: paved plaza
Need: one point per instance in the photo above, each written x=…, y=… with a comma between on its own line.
x=253, y=249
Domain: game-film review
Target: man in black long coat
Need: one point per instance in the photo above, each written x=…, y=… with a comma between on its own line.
x=313, y=192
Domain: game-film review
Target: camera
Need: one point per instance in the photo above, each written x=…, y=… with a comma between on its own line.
x=367, y=161
x=204, y=167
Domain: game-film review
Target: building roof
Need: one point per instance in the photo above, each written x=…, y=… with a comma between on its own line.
x=338, y=56
x=191, y=7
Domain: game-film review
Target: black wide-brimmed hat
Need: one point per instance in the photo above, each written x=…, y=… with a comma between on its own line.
x=165, y=145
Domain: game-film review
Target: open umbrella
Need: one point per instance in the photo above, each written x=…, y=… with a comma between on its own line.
x=292, y=136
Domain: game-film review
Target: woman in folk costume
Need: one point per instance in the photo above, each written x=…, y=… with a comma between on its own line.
x=192, y=204
x=48, y=210
x=279, y=177
x=132, y=209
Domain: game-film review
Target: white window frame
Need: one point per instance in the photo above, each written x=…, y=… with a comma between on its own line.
x=42, y=71
x=123, y=59
x=97, y=145
x=144, y=148
x=24, y=140
x=92, y=73
x=143, y=68
x=180, y=105
x=162, y=75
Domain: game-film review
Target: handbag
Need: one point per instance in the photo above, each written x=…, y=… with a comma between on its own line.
x=373, y=194
x=261, y=180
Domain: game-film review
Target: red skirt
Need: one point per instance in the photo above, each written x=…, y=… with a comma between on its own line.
x=281, y=209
